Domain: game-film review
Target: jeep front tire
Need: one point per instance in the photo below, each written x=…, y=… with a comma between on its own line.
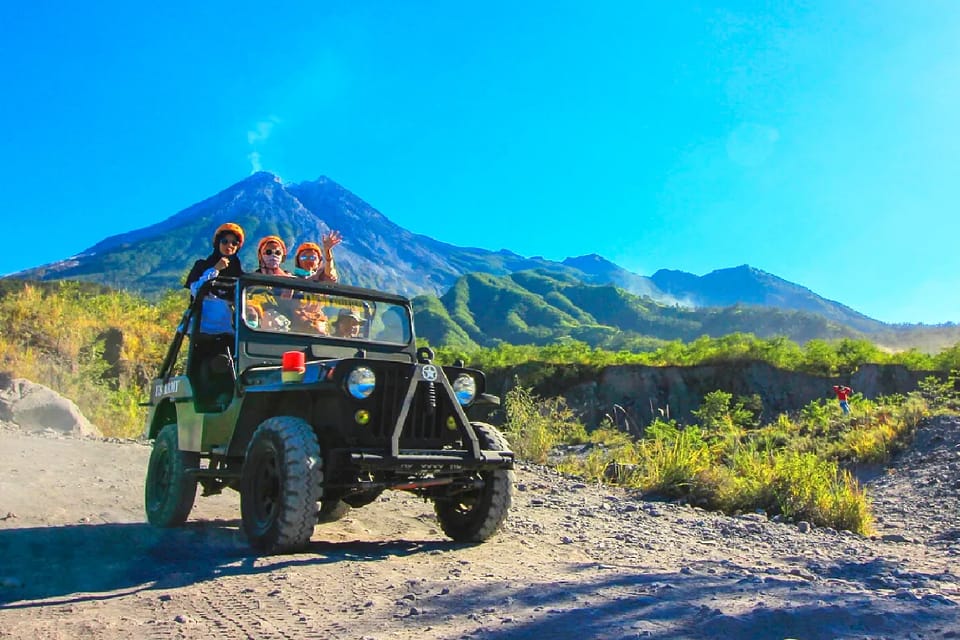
x=475, y=515
x=280, y=485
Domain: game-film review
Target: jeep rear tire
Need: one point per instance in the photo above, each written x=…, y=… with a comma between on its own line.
x=169, y=491
x=475, y=515
x=280, y=485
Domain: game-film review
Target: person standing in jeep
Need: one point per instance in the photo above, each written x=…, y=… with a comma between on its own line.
x=271, y=252
x=216, y=315
x=313, y=264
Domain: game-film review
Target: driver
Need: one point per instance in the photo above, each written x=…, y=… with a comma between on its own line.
x=347, y=324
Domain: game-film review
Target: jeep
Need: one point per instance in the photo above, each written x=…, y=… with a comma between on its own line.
x=318, y=402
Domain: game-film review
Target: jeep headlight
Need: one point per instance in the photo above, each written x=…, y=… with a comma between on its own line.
x=465, y=388
x=361, y=382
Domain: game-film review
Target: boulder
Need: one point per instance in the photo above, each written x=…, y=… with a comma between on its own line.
x=34, y=407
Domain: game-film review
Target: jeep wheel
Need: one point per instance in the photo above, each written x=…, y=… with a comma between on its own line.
x=169, y=491
x=474, y=516
x=280, y=486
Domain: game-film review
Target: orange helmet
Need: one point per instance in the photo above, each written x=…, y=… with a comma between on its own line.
x=264, y=241
x=228, y=227
x=307, y=246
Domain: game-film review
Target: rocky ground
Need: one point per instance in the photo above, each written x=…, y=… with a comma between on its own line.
x=574, y=561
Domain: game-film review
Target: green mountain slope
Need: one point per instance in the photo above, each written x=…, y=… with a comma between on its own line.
x=540, y=307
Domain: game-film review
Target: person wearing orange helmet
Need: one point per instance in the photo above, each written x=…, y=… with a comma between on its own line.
x=216, y=314
x=271, y=252
x=314, y=263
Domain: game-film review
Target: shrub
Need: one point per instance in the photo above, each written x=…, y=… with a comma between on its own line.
x=670, y=466
x=608, y=435
x=743, y=485
x=52, y=334
x=534, y=426
x=806, y=487
x=940, y=394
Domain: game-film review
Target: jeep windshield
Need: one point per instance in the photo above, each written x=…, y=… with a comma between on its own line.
x=292, y=310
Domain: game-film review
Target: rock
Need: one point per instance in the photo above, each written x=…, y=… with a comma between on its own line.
x=938, y=598
x=803, y=526
x=893, y=537
x=34, y=407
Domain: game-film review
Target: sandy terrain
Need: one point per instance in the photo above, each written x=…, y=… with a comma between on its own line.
x=574, y=561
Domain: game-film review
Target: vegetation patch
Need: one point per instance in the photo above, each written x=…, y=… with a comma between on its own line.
x=795, y=466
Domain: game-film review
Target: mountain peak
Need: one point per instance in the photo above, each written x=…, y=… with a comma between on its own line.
x=744, y=268
x=590, y=258
x=592, y=263
x=261, y=177
x=380, y=254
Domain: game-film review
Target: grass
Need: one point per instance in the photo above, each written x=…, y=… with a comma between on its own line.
x=535, y=426
x=55, y=335
x=794, y=466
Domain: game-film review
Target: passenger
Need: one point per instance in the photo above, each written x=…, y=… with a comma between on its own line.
x=216, y=314
x=312, y=264
x=270, y=253
x=310, y=318
x=253, y=315
x=394, y=326
x=347, y=324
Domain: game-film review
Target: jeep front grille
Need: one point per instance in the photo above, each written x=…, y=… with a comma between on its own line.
x=425, y=423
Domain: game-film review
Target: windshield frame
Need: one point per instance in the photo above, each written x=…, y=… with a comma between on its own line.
x=286, y=297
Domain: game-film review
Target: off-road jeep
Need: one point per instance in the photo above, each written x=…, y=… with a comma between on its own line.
x=316, y=403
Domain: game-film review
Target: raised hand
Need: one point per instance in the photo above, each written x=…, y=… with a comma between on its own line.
x=330, y=240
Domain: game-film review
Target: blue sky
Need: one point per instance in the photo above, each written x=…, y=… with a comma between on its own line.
x=818, y=141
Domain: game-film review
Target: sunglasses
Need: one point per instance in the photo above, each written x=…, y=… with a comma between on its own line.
x=235, y=243
x=309, y=258
x=272, y=252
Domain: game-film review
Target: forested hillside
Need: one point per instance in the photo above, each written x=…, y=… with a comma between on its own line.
x=542, y=307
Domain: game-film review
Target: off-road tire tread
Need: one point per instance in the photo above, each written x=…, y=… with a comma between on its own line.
x=495, y=501
x=302, y=475
x=183, y=488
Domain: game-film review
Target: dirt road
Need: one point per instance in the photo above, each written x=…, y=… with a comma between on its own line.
x=574, y=561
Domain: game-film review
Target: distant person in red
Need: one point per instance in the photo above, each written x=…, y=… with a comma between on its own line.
x=843, y=396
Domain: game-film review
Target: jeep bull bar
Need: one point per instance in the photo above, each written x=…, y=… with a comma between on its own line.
x=413, y=461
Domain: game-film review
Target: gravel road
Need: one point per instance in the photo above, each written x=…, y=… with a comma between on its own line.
x=574, y=561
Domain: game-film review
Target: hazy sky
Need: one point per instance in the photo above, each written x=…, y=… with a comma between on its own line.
x=819, y=141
